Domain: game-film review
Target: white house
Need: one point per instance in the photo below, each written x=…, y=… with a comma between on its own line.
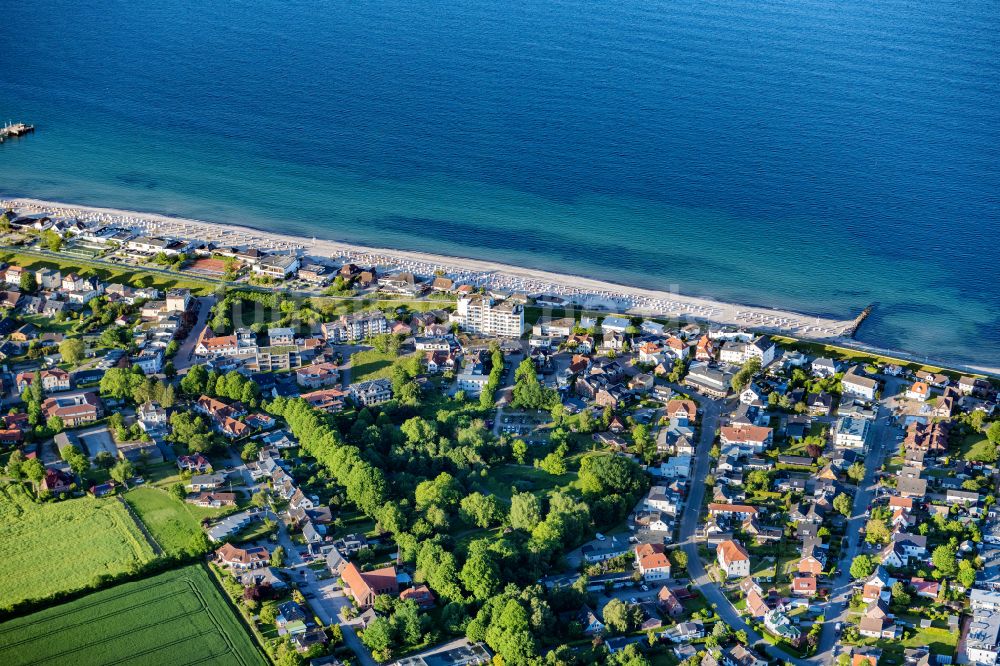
x=733, y=559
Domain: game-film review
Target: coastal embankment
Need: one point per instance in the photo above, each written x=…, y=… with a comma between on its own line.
x=561, y=288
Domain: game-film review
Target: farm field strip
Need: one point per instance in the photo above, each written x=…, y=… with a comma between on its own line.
x=174, y=619
x=64, y=546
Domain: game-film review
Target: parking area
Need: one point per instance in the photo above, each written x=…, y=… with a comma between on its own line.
x=531, y=426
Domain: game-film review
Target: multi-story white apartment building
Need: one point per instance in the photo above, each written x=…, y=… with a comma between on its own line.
x=484, y=315
x=356, y=326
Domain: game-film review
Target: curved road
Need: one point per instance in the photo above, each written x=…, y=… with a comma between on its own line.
x=882, y=441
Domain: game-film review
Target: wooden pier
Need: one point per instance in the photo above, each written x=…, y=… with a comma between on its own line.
x=13, y=130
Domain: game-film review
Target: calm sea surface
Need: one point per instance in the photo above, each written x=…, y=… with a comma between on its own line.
x=804, y=154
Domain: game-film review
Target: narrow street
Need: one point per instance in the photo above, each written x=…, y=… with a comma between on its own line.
x=184, y=358
x=711, y=413
x=882, y=442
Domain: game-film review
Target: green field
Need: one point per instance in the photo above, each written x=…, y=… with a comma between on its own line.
x=108, y=272
x=175, y=618
x=64, y=546
x=371, y=364
x=174, y=524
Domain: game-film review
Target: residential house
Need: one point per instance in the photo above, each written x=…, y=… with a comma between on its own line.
x=733, y=559
x=652, y=561
x=857, y=385
x=363, y=587
x=242, y=559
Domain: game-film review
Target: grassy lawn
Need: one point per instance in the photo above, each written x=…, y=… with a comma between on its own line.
x=174, y=524
x=941, y=641
x=971, y=444
x=123, y=275
x=503, y=478
x=175, y=618
x=372, y=364
x=64, y=546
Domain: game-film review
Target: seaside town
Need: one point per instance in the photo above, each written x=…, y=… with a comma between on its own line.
x=373, y=462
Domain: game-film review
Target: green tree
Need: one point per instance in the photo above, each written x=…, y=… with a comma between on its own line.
x=842, y=504
x=758, y=480
x=269, y=613
x=740, y=380
x=79, y=463
x=944, y=558
x=33, y=470
x=72, y=350
x=442, y=491
x=28, y=283
x=525, y=511
x=278, y=557
x=899, y=594
x=55, y=423
x=250, y=451
x=481, y=573
x=621, y=618
x=104, y=460
x=877, y=532
x=528, y=392
x=481, y=510
x=862, y=566
x=519, y=449
x=856, y=472
x=966, y=576
x=123, y=471
x=177, y=491
x=993, y=433
x=378, y=637
x=15, y=465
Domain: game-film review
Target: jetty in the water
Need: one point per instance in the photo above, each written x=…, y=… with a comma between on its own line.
x=11, y=130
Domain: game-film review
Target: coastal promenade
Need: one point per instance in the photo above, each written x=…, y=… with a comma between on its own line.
x=562, y=289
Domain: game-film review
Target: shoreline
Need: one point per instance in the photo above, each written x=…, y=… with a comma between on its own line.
x=588, y=293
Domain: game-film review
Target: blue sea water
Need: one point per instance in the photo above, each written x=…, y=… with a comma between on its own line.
x=804, y=154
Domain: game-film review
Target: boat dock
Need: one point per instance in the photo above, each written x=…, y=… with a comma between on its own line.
x=11, y=130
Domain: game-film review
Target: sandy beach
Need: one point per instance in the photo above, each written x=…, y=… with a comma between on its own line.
x=584, y=291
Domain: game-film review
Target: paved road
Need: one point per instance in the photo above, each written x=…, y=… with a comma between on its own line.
x=184, y=358
x=711, y=413
x=326, y=598
x=883, y=441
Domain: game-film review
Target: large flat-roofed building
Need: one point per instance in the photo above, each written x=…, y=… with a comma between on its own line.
x=484, y=315
x=356, y=326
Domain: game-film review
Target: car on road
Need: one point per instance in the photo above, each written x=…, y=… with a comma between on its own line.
x=644, y=587
x=633, y=600
x=600, y=537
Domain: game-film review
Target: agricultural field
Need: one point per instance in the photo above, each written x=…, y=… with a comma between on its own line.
x=64, y=546
x=175, y=618
x=175, y=525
